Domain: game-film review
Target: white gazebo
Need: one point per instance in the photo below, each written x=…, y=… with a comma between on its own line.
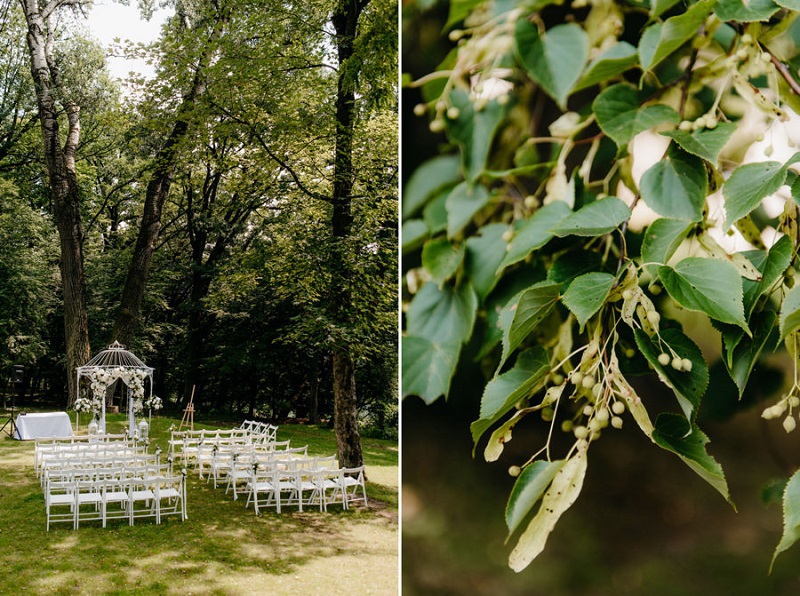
x=109, y=366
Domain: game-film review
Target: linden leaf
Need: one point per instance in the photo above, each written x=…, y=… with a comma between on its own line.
x=563, y=492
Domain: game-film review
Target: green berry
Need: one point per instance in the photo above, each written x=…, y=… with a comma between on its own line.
x=616, y=422
x=686, y=364
x=677, y=363
x=514, y=471
x=618, y=407
x=789, y=424
x=664, y=359
x=580, y=432
x=588, y=382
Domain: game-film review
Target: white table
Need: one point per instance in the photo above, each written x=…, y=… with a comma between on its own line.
x=48, y=424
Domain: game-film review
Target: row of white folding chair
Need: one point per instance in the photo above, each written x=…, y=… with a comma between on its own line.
x=99, y=463
x=220, y=460
x=270, y=431
x=79, y=499
x=243, y=467
x=305, y=487
x=50, y=450
x=60, y=461
x=141, y=464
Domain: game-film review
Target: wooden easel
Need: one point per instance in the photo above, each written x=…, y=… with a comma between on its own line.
x=188, y=413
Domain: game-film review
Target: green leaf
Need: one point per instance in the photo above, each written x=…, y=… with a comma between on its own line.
x=707, y=285
x=474, y=130
x=594, y=219
x=790, y=312
x=662, y=39
x=535, y=232
x=749, y=184
x=442, y=259
x=505, y=390
x=586, y=294
x=743, y=358
x=570, y=265
x=609, y=64
x=745, y=12
x=687, y=441
x=435, y=213
x=661, y=239
x=428, y=367
x=428, y=180
x=413, y=233
x=524, y=312
x=484, y=253
x=620, y=117
x=442, y=315
x=563, y=492
x=676, y=186
x=791, y=517
x=705, y=143
x=463, y=202
x=772, y=266
x=688, y=386
x=658, y=7
x=528, y=489
x=555, y=59
x=790, y=4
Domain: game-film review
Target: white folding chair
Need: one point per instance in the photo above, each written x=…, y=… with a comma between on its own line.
x=351, y=480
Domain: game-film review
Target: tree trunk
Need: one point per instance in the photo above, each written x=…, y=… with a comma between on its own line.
x=63, y=187
x=345, y=21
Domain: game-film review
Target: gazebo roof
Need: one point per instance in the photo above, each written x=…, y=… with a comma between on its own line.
x=115, y=356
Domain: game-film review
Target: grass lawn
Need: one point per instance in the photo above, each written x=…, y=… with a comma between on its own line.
x=223, y=548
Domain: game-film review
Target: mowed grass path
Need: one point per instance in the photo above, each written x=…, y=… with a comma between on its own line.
x=223, y=548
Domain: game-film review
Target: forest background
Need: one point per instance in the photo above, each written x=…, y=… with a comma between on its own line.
x=257, y=167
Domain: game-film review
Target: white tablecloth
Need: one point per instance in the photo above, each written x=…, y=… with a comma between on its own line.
x=49, y=424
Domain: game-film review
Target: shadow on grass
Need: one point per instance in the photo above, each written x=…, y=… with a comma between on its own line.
x=223, y=548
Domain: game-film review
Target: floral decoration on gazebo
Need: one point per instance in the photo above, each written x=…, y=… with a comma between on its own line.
x=109, y=366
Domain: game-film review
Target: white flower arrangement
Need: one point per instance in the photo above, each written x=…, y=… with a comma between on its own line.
x=153, y=403
x=83, y=404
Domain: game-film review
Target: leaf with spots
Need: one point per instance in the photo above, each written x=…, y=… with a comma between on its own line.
x=564, y=490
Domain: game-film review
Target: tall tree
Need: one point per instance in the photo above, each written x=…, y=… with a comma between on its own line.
x=209, y=26
x=60, y=160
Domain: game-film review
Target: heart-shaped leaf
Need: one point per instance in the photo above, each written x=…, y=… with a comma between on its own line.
x=524, y=312
x=474, y=130
x=749, y=184
x=506, y=389
x=662, y=39
x=706, y=142
x=442, y=259
x=594, y=219
x=620, y=116
x=586, y=294
x=661, y=239
x=687, y=441
x=485, y=251
x=463, y=202
x=707, y=285
x=610, y=63
x=554, y=59
x=688, y=386
x=676, y=186
x=535, y=232
x=428, y=367
x=745, y=12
